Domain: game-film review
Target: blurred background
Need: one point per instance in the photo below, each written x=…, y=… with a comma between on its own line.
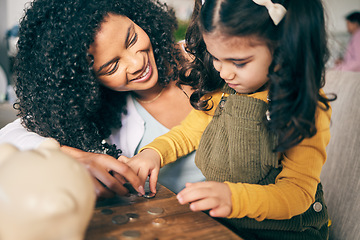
x=12, y=10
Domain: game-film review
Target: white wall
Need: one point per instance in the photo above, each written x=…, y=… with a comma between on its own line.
x=10, y=13
x=337, y=10
x=338, y=35
x=15, y=9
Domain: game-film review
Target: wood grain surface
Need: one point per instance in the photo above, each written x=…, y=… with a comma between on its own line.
x=175, y=222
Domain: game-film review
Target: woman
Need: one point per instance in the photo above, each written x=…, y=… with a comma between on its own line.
x=100, y=76
x=351, y=60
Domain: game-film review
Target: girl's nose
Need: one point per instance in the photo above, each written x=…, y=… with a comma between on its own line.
x=226, y=72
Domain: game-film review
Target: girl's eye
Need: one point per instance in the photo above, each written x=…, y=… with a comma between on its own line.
x=133, y=40
x=240, y=65
x=215, y=59
x=113, y=68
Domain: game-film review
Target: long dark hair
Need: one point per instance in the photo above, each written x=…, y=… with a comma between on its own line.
x=299, y=45
x=58, y=93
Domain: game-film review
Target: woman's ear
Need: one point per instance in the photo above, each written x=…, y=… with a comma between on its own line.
x=277, y=67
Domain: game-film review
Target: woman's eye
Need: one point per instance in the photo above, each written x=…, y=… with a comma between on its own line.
x=133, y=40
x=112, y=68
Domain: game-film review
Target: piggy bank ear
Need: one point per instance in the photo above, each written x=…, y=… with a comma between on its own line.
x=7, y=150
x=49, y=143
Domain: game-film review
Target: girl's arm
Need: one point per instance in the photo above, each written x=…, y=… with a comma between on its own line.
x=293, y=192
x=179, y=141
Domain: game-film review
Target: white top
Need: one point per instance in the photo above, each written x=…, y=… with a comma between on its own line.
x=19, y=136
x=174, y=175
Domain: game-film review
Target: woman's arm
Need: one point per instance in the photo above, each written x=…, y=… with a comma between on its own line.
x=108, y=173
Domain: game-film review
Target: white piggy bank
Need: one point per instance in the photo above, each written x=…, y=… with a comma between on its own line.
x=44, y=194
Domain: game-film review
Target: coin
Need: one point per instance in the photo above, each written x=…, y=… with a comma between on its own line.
x=158, y=221
x=120, y=219
x=132, y=216
x=156, y=210
x=131, y=234
x=149, y=195
x=107, y=211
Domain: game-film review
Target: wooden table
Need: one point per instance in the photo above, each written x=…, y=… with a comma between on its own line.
x=175, y=222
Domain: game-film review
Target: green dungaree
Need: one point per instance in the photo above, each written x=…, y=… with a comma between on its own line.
x=237, y=147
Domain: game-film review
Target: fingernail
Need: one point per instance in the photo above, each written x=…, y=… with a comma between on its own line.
x=141, y=190
x=179, y=199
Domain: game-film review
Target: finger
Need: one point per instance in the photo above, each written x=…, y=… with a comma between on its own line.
x=204, y=204
x=222, y=211
x=113, y=184
x=123, y=159
x=119, y=177
x=129, y=174
x=101, y=191
x=153, y=180
x=192, y=194
x=143, y=175
x=109, y=181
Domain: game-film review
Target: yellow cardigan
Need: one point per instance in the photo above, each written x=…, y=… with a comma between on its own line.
x=295, y=187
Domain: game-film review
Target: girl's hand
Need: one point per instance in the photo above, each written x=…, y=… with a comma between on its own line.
x=203, y=196
x=145, y=163
x=108, y=173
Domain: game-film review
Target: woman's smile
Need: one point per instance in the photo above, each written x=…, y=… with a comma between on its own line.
x=145, y=75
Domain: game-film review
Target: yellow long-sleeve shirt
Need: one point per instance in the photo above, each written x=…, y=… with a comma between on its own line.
x=295, y=187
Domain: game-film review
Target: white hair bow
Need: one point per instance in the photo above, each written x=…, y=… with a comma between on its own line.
x=203, y=1
x=276, y=10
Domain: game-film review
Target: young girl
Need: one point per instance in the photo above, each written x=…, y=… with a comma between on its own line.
x=261, y=115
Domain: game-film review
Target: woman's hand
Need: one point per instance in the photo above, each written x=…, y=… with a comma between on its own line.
x=146, y=163
x=108, y=173
x=203, y=196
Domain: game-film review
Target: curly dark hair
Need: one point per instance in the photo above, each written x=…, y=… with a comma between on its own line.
x=299, y=45
x=58, y=93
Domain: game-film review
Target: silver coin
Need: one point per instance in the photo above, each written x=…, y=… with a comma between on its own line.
x=131, y=234
x=149, y=195
x=158, y=222
x=132, y=216
x=156, y=210
x=107, y=211
x=120, y=219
